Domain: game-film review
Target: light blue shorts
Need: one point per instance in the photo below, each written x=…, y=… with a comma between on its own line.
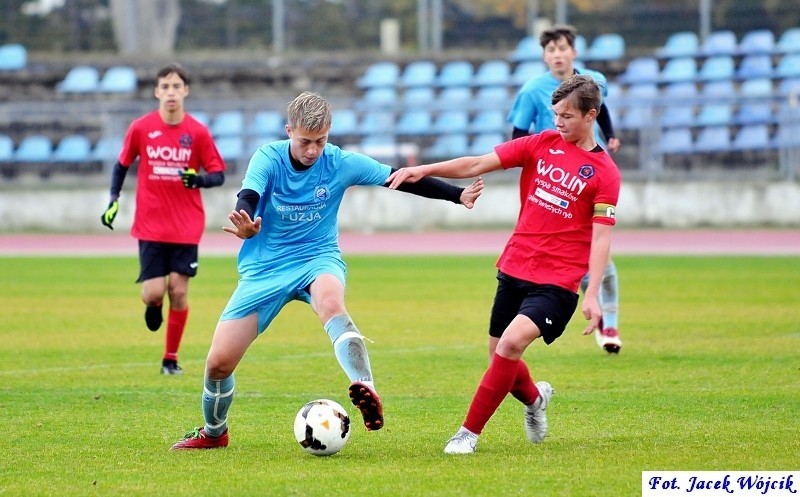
x=267, y=292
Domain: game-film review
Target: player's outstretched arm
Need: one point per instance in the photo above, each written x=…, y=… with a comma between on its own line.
x=461, y=167
x=244, y=226
x=471, y=193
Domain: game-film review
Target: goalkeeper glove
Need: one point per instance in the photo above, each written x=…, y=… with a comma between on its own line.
x=110, y=214
x=191, y=179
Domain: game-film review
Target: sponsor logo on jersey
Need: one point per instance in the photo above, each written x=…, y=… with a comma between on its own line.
x=556, y=151
x=168, y=153
x=551, y=199
x=154, y=134
x=559, y=177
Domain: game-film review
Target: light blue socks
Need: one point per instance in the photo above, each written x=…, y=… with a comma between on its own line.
x=609, y=295
x=348, y=345
x=217, y=399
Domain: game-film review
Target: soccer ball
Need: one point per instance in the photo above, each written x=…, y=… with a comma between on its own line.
x=322, y=427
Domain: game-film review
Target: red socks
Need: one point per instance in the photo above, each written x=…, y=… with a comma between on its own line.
x=176, y=322
x=524, y=390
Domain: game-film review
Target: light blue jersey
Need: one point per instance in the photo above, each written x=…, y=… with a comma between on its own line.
x=299, y=237
x=533, y=110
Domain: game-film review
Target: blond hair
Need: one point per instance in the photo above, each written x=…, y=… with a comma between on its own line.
x=309, y=111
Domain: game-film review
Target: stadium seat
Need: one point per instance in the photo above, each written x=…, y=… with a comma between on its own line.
x=484, y=143
x=419, y=97
x=680, y=91
x=80, y=79
x=344, y=122
x=679, y=69
x=231, y=148
x=454, y=98
x=680, y=44
x=789, y=87
x=493, y=72
x=713, y=139
x=788, y=133
x=640, y=70
x=379, y=74
x=34, y=148
x=492, y=97
x=716, y=68
x=418, y=73
x=451, y=121
x=526, y=71
x=455, y=73
x=107, y=149
x=73, y=148
x=606, y=47
x=488, y=121
x=377, y=122
x=716, y=91
x=715, y=114
x=755, y=66
x=677, y=115
x=719, y=43
x=788, y=67
x=6, y=148
x=449, y=146
x=527, y=48
x=118, y=79
x=228, y=123
x=268, y=123
x=758, y=88
x=378, y=98
x=415, y=122
x=789, y=42
x=676, y=141
x=752, y=137
x=13, y=57
x=754, y=112
x=757, y=42
x=639, y=105
x=614, y=93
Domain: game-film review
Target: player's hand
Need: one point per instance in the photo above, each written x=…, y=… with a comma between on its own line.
x=191, y=179
x=244, y=227
x=405, y=175
x=110, y=214
x=614, y=144
x=471, y=193
x=592, y=312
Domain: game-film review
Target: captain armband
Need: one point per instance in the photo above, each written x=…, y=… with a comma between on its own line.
x=605, y=210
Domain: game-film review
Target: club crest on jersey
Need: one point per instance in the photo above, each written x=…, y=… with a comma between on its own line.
x=586, y=171
x=321, y=194
x=186, y=140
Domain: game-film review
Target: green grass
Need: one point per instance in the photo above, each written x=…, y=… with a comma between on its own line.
x=708, y=379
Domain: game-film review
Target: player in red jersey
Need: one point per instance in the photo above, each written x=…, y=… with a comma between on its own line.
x=569, y=188
x=172, y=148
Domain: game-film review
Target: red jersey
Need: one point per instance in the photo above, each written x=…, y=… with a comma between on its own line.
x=563, y=190
x=166, y=211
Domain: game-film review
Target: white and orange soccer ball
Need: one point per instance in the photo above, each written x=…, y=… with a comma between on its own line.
x=322, y=427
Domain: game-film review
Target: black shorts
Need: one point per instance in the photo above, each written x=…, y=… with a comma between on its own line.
x=550, y=307
x=158, y=259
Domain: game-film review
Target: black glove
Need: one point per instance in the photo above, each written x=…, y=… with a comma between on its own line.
x=110, y=214
x=191, y=179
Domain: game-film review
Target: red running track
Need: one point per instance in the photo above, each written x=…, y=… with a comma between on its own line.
x=677, y=242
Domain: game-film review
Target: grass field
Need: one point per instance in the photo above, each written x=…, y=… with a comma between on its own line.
x=708, y=379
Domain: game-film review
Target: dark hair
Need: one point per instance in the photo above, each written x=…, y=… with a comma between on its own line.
x=173, y=68
x=582, y=89
x=556, y=32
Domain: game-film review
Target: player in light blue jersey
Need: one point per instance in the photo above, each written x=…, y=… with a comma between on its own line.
x=532, y=112
x=287, y=216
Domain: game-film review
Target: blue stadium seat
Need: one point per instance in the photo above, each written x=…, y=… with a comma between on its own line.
x=757, y=42
x=80, y=79
x=720, y=43
x=415, y=122
x=679, y=69
x=454, y=98
x=716, y=68
x=73, y=148
x=268, y=123
x=449, y=146
x=34, y=148
x=680, y=44
x=788, y=67
x=378, y=98
x=640, y=70
x=231, y=148
x=376, y=122
x=228, y=123
x=713, y=139
x=680, y=91
x=676, y=141
x=379, y=74
x=455, y=73
x=344, y=122
x=493, y=72
x=484, y=143
x=755, y=66
x=488, y=121
x=451, y=121
x=677, y=115
x=526, y=71
x=788, y=133
x=789, y=42
x=752, y=137
x=759, y=88
x=615, y=93
x=639, y=106
x=492, y=97
x=606, y=47
x=790, y=87
x=715, y=114
x=6, y=148
x=719, y=90
x=107, y=149
x=201, y=116
x=754, y=112
x=13, y=57
x=419, y=97
x=418, y=73
x=118, y=79
x=527, y=48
